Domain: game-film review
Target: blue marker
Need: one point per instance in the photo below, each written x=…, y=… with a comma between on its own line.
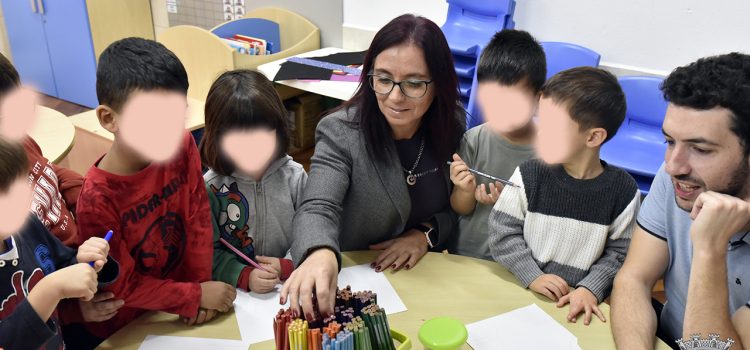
x=107, y=237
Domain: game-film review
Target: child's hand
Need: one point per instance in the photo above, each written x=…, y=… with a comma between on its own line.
x=76, y=281
x=217, y=296
x=582, y=300
x=551, y=286
x=263, y=282
x=275, y=263
x=101, y=308
x=202, y=317
x=483, y=197
x=94, y=249
x=460, y=175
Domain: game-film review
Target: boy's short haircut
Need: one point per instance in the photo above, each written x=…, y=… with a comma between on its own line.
x=592, y=97
x=9, y=78
x=512, y=57
x=132, y=64
x=13, y=164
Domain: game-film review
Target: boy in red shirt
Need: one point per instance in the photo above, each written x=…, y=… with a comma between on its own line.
x=149, y=189
x=54, y=189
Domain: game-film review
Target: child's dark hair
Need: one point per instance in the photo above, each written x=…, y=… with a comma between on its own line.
x=592, y=96
x=512, y=57
x=9, y=78
x=241, y=99
x=13, y=164
x=132, y=64
x=717, y=81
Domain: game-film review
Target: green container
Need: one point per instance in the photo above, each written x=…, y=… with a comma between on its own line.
x=443, y=333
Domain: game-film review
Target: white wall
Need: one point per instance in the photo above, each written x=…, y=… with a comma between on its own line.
x=648, y=36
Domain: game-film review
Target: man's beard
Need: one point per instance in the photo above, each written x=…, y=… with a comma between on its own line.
x=736, y=187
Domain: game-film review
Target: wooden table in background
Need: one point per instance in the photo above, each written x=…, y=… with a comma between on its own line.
x=342, y=90
x=467, y=289
x=54, y=133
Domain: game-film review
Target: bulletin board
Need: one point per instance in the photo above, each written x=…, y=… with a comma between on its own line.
x=204, y=13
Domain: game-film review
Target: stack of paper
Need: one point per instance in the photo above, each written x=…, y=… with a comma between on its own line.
x=526, y=328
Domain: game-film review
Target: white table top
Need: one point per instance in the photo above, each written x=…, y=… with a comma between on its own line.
x=341, y=90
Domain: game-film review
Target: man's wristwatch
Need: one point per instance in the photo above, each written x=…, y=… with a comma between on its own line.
x=429, y=233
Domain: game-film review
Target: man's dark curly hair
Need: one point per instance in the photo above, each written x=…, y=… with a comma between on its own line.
x=716, y=81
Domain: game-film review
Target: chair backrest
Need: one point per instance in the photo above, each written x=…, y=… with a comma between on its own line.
x=489, y=8
x=562, y=56
x=469, y=20
x=646, y=104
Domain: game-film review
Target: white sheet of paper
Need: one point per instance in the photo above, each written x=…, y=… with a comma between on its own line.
x=521, y=329
x=255, y=313
x=158, y=342
x=363, y=277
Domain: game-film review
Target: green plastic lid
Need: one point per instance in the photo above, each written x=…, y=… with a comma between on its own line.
x=443, y=333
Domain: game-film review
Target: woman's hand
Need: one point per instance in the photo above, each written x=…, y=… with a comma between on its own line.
x=317, y=274
x=404, y=251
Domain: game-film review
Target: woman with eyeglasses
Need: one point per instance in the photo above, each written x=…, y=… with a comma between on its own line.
x=378, y=178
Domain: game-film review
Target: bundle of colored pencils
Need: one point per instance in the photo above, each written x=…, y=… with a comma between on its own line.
x=358, y=323
x=377, y=322
x=361, y=334
x=281, y=327
x=298, y=336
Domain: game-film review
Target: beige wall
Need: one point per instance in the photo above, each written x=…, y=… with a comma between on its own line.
x=4, y=46
x=161, y=18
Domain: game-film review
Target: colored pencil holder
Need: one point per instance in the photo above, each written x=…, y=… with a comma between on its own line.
x=402, y=339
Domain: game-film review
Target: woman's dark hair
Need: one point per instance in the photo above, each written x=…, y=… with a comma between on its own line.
x=241, y=99
x=716, y=81
x=444, y=122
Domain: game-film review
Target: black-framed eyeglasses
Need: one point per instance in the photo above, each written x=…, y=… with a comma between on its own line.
x=410, y=88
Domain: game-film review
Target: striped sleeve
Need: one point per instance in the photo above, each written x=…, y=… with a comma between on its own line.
x=602, y=273
x=506, y=241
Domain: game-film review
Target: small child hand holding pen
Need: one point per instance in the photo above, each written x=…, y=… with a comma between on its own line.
x=466, y=192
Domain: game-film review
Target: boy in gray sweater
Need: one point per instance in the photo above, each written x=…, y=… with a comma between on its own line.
x=569, y=223
x=511, y=72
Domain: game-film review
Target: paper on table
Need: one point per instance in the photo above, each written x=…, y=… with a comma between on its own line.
x=154, y=342
x=363, y=277
x=255, y=312
x=521, y=329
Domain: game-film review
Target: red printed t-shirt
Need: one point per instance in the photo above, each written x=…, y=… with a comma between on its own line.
x=162, y=235
x=54, y=194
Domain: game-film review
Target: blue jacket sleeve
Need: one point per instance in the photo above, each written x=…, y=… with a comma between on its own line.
x=23, y=329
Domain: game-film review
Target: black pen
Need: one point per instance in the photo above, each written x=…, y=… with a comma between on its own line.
x=477, y=172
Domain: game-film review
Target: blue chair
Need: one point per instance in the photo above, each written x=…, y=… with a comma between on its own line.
x=255, y=27
x=469, y=26
x=562, y=56
x=638, y=147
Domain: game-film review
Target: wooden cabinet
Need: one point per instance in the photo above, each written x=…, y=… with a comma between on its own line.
x=55, y=44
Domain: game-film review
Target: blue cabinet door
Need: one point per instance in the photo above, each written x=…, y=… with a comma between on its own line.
x=71, y=50
x=28, y=45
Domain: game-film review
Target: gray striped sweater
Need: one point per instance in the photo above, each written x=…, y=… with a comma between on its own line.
x=556, y=224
